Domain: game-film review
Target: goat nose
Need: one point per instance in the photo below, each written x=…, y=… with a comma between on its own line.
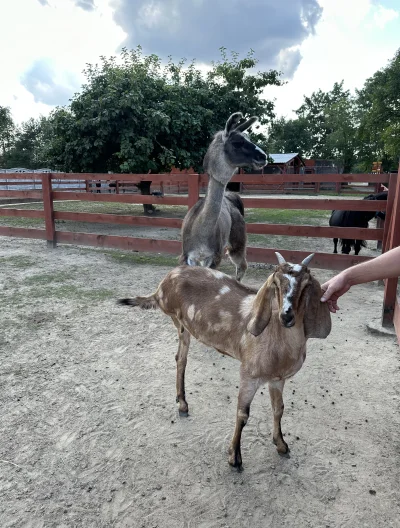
x=287, y=319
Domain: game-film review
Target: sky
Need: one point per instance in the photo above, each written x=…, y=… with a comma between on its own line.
x=45, y=44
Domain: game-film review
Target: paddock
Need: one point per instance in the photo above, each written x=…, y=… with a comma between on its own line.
x=90, y=430
x=89, y=425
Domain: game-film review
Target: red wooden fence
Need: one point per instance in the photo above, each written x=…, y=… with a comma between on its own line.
x=390, y=235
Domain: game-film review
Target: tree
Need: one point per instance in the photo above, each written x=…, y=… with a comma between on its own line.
x=290, y=135
x=7, y=130
x=28, y=148
x=325, y=128
x=341, y=140
x=136, y=115
x=379, y=114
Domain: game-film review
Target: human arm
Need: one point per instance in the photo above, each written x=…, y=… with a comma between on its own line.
x=385, y=266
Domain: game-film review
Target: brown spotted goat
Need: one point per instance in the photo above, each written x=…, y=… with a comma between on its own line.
x=266, y=330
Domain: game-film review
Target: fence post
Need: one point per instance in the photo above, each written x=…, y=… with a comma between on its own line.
x=392, y=241
x=193, y=189
x=379, y=224
x=389, y=210
x=47, y=193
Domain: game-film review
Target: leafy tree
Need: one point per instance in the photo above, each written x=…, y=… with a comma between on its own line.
x=341, y=140
x=290, y=135
x=7, y=130
x=379, y=114
x=136, y=115
x=29, y=145
x=324, y=129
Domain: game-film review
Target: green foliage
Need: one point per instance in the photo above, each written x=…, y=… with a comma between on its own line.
x=7, y=130
x=290, y=135
x=379, y=115
x=352, y=130
x=134, y=115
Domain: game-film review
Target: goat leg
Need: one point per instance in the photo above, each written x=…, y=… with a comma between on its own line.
x=275, y=392
x=181, y=360
x=335, y=243
x=247, y=390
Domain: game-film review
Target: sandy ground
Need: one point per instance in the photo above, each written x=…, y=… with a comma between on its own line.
x=91, y=437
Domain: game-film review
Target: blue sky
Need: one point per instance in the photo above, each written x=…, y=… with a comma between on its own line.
x=45, y=44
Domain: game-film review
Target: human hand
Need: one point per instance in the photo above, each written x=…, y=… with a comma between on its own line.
x=333, y=289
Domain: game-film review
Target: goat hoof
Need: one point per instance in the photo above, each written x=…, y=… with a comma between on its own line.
x=281, y=446
x=184, y=414
x=235, y=459
x=236, y=464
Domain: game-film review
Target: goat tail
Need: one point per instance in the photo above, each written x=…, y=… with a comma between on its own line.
x=145, y=303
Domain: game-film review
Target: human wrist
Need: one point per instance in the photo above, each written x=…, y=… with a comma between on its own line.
x=349, y=277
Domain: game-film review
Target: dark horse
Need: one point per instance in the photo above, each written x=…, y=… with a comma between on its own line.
x=355, y=219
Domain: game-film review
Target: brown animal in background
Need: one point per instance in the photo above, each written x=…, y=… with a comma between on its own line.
x=266, y=330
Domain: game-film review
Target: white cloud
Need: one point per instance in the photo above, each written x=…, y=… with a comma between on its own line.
x=57, y=38
x=383, y=16
x=57, y=31
x=348, y=45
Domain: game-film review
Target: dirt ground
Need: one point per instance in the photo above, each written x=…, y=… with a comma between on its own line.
x=91, y=437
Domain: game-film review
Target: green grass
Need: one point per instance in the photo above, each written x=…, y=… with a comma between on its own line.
x=17, y=221
x=18, y=261
x=145, y=259
x=62, y=292
x=47, y=278
x=287, y=216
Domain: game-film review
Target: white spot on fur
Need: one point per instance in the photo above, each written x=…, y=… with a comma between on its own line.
x=296, y=267
x=218, y=274
x=160, y=294
x=286, y=303
x=246, y=305
x=190, y=312
x=224, y=289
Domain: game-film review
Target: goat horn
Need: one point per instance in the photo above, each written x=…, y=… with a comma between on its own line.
x=281, y=260
x=307, y=260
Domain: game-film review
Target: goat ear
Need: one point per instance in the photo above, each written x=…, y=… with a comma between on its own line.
x=317, y=318
x=262, y=308
x=232, y=121
x=247, y=124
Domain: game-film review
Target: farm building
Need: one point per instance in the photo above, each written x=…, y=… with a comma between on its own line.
x=286, y=163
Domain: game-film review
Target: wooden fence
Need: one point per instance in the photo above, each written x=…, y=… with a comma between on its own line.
x=389, y=235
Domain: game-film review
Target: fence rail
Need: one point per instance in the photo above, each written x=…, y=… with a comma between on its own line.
x=389, y=235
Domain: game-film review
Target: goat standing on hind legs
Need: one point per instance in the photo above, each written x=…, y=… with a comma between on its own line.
x=216, y=222
x=266, y=330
